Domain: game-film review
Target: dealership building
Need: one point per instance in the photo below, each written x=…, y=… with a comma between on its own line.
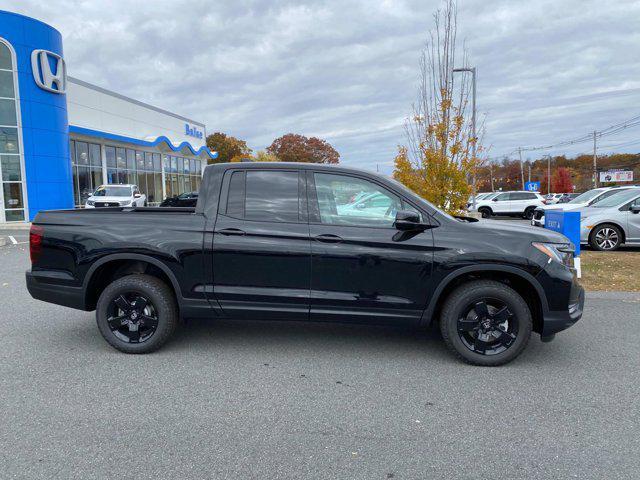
x=61, y=137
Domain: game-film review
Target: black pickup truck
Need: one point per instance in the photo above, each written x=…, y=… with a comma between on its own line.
x=306, y=242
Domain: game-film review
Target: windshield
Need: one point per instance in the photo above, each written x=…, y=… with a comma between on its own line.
x=112, y=191
x=618, y=199
x=405, y=189
x=586, y=196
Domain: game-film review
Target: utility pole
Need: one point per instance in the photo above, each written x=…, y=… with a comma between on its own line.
x=548, y=174
x=491, y=175
x=529, y=164
x=473, y=129
x=521, y=167
x=595, y=162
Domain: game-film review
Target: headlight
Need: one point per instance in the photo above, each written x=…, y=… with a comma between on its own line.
x=560, y=252
x=91, y=203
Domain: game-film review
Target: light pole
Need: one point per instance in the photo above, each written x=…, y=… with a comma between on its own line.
x=473, y=129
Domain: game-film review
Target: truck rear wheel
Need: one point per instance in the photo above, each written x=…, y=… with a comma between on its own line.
x=137, y=313
x=485, y=322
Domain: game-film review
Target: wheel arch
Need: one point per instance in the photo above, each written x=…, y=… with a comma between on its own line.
x=114, y=266
x=522, y=282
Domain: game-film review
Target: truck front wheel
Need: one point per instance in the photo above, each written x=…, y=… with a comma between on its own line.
x=137, y=313
x=485, y=322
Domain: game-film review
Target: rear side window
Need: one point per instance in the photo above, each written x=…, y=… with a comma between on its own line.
x=266, y=196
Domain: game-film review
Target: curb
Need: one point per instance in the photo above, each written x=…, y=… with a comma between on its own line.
x=15, y=226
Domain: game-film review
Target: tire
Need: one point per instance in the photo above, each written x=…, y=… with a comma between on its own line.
x=485, y=212
x=606, y=237
x=528, y=213
x=156, y=314
x=457, y=321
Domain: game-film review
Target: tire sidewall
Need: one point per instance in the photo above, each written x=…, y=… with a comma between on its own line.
x=467, y=294
x=485, y=212
x=163, y=303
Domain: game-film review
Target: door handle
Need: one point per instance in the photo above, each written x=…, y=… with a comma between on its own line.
x=328, y=238
x=231, y=231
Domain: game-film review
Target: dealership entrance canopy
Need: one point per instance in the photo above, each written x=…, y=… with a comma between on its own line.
x=61, y=137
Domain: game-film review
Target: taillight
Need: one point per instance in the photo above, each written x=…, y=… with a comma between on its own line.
x=35, y=242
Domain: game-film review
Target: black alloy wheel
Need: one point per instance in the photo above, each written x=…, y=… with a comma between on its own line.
x=132, y=317
x=485, y=212
x=486, y=322
x=487, y=327
x=137, y=313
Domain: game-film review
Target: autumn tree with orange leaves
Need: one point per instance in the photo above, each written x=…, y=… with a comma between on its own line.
x=437, y=162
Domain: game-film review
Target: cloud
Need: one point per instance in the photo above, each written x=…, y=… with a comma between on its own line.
x=347, y=70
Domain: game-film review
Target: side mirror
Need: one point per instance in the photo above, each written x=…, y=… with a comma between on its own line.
x=359, y=206
x=136, y=195
x=494, y=199
x=635, y=209
x=408, y=220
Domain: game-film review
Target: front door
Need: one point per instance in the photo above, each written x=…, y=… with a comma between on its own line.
x=261, y=247
x=633, y=223
x=363, y=269
x=501, y=203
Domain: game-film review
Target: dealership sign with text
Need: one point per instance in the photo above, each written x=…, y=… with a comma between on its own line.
x=616, y=176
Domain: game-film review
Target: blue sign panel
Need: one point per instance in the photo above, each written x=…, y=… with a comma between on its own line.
x=567, y=223
x=532, y=186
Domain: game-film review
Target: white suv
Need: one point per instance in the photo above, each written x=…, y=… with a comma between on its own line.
x=518, y=203
x=116, y=196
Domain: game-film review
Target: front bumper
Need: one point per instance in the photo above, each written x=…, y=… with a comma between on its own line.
x=556, y=321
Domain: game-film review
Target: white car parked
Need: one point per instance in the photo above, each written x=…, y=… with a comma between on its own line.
x=116, y=196
x=583, y=200
x=517, y=203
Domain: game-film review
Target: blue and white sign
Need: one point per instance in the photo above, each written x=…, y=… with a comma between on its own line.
x=532, y=186
x=568, y=224
x=193, y=131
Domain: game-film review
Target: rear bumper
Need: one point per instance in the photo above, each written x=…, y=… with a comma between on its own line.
x=556, y=321
x=41, y=288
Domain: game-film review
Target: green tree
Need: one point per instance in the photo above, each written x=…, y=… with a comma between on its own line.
x=228, y=147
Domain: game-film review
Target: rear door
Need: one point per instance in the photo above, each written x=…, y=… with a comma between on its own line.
x=261, y=247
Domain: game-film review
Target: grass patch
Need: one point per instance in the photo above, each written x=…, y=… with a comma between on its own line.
x=610, y=271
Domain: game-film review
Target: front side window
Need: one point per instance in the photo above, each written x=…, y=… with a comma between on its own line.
x=346, y=200
x=263, y=195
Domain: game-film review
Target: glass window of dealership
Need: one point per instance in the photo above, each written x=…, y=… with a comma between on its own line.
x=157, y=175
x=11, y=164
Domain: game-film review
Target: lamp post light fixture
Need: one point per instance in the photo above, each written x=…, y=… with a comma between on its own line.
x=473, y=128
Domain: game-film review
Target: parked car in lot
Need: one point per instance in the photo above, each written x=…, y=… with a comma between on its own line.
x=517, y=203
x=583, y=200
x=187, y=199
x=552, y=198
x=567, y=197
x=116, y=196
x=480, y=196
x=612, y=222
x=274, y=241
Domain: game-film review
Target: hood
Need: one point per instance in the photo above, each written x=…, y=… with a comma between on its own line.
x=109, y=199
x=503, y=229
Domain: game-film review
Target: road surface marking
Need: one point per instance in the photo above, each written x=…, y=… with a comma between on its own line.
x=13, y=240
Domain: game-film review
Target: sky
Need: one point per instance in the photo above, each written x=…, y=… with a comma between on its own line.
x=347, y=71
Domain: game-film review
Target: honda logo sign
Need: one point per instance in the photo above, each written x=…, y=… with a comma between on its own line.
x=49, y=71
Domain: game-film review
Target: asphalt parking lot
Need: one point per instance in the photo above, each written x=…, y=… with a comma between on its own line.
x=272, y=400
